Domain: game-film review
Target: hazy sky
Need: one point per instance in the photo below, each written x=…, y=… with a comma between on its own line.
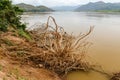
x=51, y=3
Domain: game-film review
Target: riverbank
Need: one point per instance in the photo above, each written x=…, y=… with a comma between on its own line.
x=12, y=71
x=12, y=64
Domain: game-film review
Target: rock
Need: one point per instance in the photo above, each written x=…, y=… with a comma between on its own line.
x=40, y=66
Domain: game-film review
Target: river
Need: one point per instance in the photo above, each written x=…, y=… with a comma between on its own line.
x=105, y=37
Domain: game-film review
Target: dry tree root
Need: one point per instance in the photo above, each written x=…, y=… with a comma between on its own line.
x=62, y=52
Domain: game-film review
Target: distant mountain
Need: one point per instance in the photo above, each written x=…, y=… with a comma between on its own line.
x=99, y=6
x=65, y=8
x=31, y=8
x=43, y=9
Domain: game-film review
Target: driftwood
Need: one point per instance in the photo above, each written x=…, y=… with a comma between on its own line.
x=62, y=52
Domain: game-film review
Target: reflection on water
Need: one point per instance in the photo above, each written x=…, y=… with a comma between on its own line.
x=105, y=37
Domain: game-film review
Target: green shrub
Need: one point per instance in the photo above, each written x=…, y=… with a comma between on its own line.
x=10, y=16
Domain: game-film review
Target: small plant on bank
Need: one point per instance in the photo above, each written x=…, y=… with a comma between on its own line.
x=24, y=34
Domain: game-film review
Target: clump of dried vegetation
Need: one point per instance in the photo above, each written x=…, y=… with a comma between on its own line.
x=62, y=52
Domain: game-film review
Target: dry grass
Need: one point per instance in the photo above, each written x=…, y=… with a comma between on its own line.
x=61, y=52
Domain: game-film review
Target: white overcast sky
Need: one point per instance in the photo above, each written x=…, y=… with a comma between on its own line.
x=51, y=3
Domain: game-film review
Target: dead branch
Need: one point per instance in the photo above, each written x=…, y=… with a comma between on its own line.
x=62, y=52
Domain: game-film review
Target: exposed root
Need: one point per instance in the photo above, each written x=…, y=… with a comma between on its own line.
x=62, y=52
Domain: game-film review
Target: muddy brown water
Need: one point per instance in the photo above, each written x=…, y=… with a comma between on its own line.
x=105, y=50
